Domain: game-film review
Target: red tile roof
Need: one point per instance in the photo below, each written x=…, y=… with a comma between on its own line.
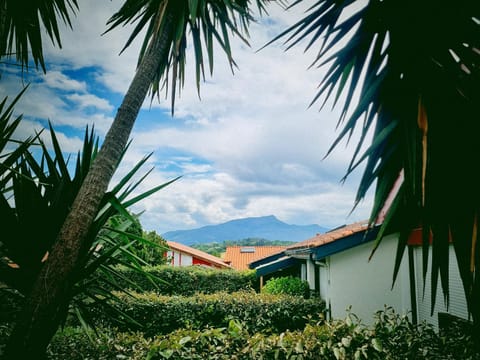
x=197, y=253
x=331, y=236
x=239, y=259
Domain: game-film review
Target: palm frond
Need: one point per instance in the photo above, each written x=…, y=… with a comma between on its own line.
x=171, y=21
x=43, y=191
x=9, y=156
x=22, y=23
x=411, y=71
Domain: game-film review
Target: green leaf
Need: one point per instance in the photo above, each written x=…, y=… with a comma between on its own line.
x=23, y=25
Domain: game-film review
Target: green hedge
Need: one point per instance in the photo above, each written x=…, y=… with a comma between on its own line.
x=259, y=312
x=392, y=337
x=287, y=285
x=189, y=280
x=106, y=344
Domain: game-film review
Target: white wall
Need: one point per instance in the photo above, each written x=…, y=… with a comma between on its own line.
x=179, y=258
x=187, y=260
x=311, y=274
x=367, y=285
x=324, y=279
x=457, y=305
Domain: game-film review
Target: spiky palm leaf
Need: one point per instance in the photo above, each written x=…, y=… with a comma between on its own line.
x=22, y=23
x=204, y=20
x=409, y=72
x=42, y=193
x=10, y=150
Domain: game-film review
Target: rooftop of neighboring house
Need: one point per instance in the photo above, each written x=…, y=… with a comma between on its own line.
x=240, y=256
x=321, y=245
x=331, y=236
x=197, y=253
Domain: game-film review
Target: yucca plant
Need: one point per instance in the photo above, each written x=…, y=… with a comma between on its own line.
x=408, y=72
x=41, y=194
x=10, y=149
x=10, y=152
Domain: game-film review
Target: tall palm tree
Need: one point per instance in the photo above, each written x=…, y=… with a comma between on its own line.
x=408, y=72
x=163, y=54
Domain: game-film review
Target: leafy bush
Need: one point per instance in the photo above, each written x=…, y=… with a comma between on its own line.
x=10, y=305
x=107, y=344
x=259, y=312
x=189, y=280
x=392, y=337
x=287, y=285
x=34, y=202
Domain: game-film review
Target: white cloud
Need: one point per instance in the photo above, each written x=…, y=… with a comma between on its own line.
x=89, y=100
x=196, y=201
x=85, y=46
x=57, y=80
x=250, y=147
x=265, y=146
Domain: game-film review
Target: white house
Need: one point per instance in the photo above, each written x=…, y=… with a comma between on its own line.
x=183, y=255
x=336, y=265
x=457, y=302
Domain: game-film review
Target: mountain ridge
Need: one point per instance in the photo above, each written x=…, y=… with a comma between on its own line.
x=266, y=227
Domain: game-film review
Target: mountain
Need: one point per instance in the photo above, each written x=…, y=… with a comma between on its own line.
x=265, y=227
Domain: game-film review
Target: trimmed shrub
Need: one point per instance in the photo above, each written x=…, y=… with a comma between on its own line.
x=189, y=280
x=106, y=344
x=392, y=337
x=287, y=285
x=259, y=312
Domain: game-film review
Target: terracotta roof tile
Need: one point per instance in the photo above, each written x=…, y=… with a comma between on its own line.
x=240, y=256
x=197, y=253
x=331, y=236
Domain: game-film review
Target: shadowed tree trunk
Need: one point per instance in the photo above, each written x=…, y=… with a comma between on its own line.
x=47, y=303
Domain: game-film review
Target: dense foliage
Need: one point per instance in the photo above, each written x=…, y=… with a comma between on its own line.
x=153, y=253
x=10, y=304
x=287, y=285
x=391, y=337
x=37, y=189
x=34, y=204
x=151, y=250
x=158, y=314
x=191, y=279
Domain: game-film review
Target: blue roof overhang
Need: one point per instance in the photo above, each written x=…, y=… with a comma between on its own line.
x=292, y=257
x=266, y=260
x=277, y=265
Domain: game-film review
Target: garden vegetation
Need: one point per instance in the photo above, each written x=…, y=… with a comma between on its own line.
x=390, y=337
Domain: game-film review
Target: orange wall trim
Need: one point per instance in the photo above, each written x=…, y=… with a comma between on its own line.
x=415, y=238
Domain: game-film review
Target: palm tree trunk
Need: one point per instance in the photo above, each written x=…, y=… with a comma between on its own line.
x=48, y=301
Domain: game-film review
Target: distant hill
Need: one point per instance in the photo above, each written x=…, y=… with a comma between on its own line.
x=265, y=227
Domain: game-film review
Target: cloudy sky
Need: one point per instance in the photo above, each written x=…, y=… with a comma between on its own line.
x=250, y=146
